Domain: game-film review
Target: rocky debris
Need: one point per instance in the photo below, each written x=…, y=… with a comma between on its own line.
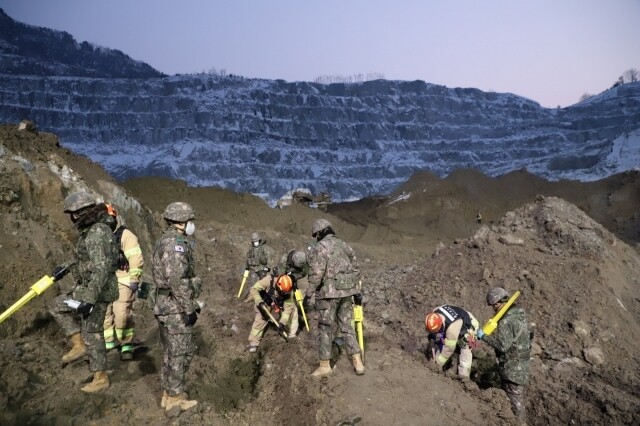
x=27, y=125
x=303, y=196
x=581, y=329
x=594, y=355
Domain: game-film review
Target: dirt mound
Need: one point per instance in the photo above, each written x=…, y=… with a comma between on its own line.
x=579, y=283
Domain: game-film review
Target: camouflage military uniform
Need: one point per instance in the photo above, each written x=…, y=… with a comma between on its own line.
x=333, y=273
x=513, y=347
x=258, y=258
x=95, y=277
x=177, y=288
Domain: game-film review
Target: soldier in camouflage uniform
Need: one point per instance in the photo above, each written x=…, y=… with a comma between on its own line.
x=293, y=264
x=175, y=307
x=259, y=258
x=512, y=343
x=95, y=286
x=333, y=273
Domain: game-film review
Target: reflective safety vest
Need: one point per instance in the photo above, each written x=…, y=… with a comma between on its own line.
x=451, y=314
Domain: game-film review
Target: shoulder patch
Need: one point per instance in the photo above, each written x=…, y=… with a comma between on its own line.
x=178, y=248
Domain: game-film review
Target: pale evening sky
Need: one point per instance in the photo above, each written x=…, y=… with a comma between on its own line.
x=550, y=51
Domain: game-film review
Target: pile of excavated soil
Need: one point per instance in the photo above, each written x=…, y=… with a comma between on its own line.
x=418, y=248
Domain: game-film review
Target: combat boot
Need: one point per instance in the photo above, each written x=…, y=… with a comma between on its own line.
x=179, y=401
x=323, y=370
x=100, y=381
x=77, y=351
x=357, y=364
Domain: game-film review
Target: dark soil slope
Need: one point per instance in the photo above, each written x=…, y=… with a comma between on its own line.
x=568, y=256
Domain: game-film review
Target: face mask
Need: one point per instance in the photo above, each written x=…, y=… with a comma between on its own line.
x=256, y=243
x=190, y=228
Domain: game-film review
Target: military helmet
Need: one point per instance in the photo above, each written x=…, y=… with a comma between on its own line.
x=78, y=201
x=179, y=212
x=320, y=225
x=298, y=259
x=255, y=237
x=497, y=294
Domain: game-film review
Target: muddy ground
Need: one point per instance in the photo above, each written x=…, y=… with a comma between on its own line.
x=570, y=247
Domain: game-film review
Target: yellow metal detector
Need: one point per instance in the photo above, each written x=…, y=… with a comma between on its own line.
x=358, y=318
x=244, y=280
x=300, y=299
x=37, y=289
x=492, y=324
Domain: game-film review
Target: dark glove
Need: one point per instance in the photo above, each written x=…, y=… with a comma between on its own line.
x=282, y=328
x=190, y=319
x=262, y=306
x=133, y=285
x=85, y=309
x=357, y=299
x=59, y=272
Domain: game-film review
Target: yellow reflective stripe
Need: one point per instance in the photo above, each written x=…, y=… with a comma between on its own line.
x=110, y=345
x=450, y=343
x=108, y=333
x=124, y=332
x=442, y=359
x=135, y=272
x=133, y=251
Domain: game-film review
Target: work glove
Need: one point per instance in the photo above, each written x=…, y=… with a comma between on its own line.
x=190, y=319
x=59, y=272
x=262, y=306
x=133, y=285
x=85, y=309
x=479, y=334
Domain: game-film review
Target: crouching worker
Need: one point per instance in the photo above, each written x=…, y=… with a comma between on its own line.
x=272, y=295
x=452, y=326
x=81, y=311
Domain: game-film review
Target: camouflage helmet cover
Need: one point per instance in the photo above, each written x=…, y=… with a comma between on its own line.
x=497, y=294
x=298, y=259
x=179, y=212
x=77, y=201
x=319, y=225
x=255, y=237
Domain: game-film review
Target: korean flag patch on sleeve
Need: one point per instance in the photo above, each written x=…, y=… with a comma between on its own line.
x=179, y=248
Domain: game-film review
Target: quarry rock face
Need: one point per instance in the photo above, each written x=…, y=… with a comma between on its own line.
x=269, y=137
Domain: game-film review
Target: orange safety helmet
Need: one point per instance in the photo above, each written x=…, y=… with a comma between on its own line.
x=433, y=322
x=284, y=283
